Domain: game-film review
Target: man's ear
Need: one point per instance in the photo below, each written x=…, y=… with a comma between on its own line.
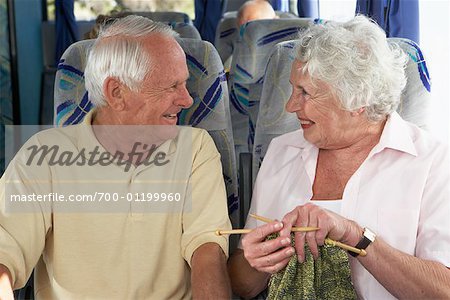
x=114, y=92
x=358, y=112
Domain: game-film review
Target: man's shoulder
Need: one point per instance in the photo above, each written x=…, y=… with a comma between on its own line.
x=196, y=135
x=60, y=135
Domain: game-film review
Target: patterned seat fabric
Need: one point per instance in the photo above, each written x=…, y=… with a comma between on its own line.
x=250, y=57
x=227, y=33
x=207, y=86
x=273, y=119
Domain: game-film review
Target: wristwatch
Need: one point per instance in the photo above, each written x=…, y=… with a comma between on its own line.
x=367, y=238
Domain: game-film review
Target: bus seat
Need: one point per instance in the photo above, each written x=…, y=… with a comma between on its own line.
x=185, y=30
x=226, y=34
x=48, y=33
x=415, y=101
x=207, y=86
x=273, y=119
x=165, y=16
x=252, y=49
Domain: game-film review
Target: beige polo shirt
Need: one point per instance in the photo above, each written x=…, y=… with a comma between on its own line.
x=131, y=246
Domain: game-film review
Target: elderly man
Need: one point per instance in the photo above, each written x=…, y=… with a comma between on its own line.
x=156, y=193
x=255, y=10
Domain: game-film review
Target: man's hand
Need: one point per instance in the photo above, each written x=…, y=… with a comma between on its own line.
x=209, y=274
x=331, y=225
x=6, y=292
x=267, y=256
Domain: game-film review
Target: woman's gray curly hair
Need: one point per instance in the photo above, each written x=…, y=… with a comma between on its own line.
x=356, y=61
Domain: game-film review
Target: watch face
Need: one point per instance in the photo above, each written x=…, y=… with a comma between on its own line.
x=369, y=234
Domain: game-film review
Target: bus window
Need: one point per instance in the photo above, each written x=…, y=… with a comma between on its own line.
x=89, y=10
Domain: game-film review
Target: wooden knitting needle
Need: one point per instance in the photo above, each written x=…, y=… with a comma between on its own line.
x=328, y=241
x=243, y=231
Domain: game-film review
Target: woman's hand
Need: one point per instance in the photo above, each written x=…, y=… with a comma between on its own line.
x=267, y=256
x=331, y=225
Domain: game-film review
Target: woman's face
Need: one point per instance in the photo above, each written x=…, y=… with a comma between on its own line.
x=325, y=124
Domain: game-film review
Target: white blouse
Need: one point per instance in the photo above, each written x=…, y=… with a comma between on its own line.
x=401, y=191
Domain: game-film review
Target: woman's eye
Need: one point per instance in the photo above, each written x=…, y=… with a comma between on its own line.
x=304, y=93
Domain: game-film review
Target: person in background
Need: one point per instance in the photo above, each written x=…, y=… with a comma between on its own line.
x=154, y=238
x=254, y=10
x=250, y=11
x=356, y=170
x=103, y=20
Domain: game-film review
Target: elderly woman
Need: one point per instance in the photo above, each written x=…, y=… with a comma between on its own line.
x=354, y=165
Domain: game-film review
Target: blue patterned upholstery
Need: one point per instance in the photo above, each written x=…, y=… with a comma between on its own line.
x=415, y=103
x=273, y=120
x=227, y=33
x=207, y=86
x=250, y=57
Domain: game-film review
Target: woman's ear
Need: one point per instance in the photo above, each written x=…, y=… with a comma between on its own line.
x=357, y=112
x=114, y=92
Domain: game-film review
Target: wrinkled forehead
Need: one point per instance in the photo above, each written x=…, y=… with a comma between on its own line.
x=297, y=69
x=160, y=45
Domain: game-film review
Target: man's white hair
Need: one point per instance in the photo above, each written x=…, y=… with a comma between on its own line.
x=118, y=52
x=356, y=61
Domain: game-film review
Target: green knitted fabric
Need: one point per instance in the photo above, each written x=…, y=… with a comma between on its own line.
x=328, y=277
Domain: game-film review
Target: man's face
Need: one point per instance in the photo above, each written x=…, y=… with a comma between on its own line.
x=163, y=92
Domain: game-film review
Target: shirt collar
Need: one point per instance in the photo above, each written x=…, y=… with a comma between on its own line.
x=87, y=139
x=396, y=135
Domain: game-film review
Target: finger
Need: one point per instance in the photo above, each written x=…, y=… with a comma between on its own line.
x=302, y=221
x=267, y=247
x=260, y=233
x=323, y=224
x=311, y=236
x=273, y=259
x=255, y=249
x=277, y=267
x=288, y=221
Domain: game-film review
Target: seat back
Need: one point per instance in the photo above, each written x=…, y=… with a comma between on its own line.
x=207, y=86
x=165, y=16
x=227, y=32
x=273, y=119
x=251, y=54
x=48, y=33
x=186, y=30
x=415, y=101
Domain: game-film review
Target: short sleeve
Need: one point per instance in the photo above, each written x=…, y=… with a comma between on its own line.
x=22, y=234
x=209, y=210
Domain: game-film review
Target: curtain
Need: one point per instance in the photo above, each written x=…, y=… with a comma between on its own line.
x=66, y=27
x=308, y=8
x=399, y=18
x=280, y=5
x=207, y=15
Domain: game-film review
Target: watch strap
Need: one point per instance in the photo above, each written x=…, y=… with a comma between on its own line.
x=362, y=244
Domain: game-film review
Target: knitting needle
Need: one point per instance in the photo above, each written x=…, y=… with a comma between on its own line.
x=243, y=231
x=293, y=229
x=328, y=241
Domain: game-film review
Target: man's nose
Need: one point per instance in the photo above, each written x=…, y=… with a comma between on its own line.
x=184, y=100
